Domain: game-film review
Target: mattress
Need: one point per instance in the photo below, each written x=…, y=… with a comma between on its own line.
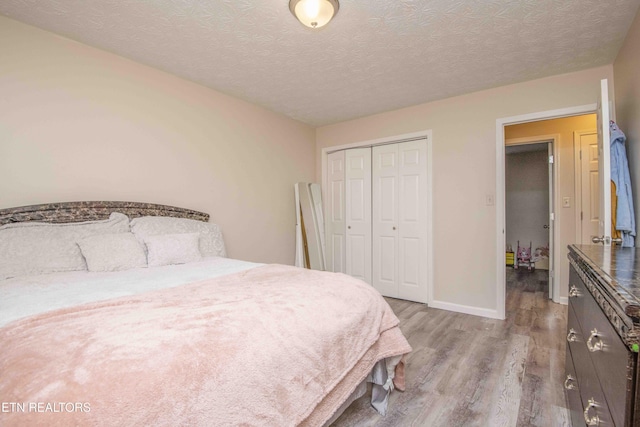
x=30, y=295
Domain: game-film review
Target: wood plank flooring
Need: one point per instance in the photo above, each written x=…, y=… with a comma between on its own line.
x=471, y=371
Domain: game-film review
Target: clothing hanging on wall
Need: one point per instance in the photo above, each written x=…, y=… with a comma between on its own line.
x=624, y=213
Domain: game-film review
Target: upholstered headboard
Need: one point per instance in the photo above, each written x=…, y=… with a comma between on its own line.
x=91, y=211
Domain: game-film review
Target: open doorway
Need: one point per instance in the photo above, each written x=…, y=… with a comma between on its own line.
x=529, y=210
x=561, y=127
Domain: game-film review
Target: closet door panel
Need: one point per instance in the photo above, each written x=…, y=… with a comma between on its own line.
x=337, y=259
x=412, y=221
x=356, y=263
x=356, y=200
x=336, y=225
x=411, y=261
x=385, y=219
x=410, y=190
x=387, y=197
x=358, y=213
x=387, y=261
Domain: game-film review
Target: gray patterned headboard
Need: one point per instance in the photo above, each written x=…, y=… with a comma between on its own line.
x=90, y=211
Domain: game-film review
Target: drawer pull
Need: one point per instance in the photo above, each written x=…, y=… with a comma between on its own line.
x=573, y=291
x=569, y=383
x=598, y=345
x=591, y=421
x=572, y=336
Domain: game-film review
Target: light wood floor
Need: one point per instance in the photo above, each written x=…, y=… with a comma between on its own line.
x=471, y=371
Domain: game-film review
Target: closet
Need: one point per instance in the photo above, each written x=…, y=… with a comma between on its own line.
x=377, y=216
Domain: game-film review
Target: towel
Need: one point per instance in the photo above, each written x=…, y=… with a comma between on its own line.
x=625, y=217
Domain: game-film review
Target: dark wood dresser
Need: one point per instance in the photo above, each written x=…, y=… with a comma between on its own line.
x=603, y=330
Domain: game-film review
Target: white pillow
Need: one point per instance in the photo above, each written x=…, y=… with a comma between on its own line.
x=166, y=249
x=38, y=248
x=211, y=241
x=112, y=252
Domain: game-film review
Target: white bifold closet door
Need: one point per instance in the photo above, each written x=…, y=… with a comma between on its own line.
x=335, y=222
x=358, y=213
x=349, y=213
x=377, y=217
x=399, y=221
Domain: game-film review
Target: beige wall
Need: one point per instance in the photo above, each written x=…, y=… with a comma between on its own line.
x=78, y=123
x=464, y=170
x=626, y=69
x=566, y=217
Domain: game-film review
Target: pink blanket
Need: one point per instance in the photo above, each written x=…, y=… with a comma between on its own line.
x=274, y=345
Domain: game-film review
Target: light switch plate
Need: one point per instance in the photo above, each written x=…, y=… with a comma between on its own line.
x=566, y=202
x=490, y=200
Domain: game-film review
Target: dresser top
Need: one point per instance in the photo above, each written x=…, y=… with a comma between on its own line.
x=618, y=271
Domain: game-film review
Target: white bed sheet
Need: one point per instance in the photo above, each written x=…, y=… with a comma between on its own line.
x=26, y=296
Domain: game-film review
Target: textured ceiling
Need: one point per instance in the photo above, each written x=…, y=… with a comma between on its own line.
x=375, y=56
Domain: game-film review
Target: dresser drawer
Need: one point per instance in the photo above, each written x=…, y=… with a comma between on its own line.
x=610, y=358
x=572, y=391
x=578, y=292
x=591, y=394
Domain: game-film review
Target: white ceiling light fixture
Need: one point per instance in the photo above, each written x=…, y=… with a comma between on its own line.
x=314, y=13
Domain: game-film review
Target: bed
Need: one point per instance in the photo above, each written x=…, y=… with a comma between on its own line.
x=121, y=313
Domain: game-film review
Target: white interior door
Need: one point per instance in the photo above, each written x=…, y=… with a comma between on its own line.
x=587, y=143
x=358, y=213
x=412, y=225
x=385, y=219
x=604, y=165
x=336, y=225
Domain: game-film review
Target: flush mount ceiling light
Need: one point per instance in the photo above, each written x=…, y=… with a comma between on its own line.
x=314, y=13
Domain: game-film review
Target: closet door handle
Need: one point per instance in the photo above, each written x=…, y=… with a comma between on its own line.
x=394, y=228
x=349, y=227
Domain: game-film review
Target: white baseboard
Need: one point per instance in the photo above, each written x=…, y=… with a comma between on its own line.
x=563, y=300
x=466, y=309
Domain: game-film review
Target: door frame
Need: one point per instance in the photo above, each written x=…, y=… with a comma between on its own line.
x=425, y=134
x=500, y=189
x=553, y=139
